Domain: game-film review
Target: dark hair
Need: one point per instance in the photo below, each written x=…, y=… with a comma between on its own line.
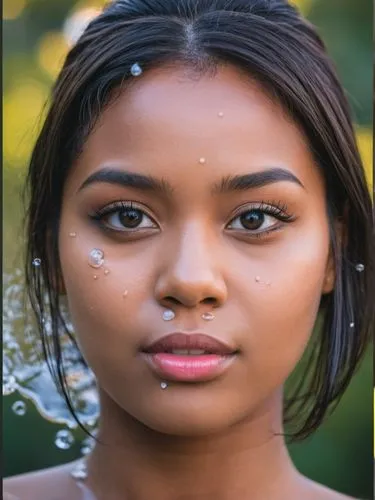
x=273, y=44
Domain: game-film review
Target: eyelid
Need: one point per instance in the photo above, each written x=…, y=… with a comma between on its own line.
x=116, y=206
x=276, y=209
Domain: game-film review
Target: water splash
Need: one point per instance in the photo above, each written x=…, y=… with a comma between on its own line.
x=26, y=372
x=64, y=439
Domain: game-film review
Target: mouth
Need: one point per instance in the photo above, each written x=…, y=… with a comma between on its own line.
x=189, y=358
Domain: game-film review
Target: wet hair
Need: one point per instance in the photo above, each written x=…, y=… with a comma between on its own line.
x=269, y=41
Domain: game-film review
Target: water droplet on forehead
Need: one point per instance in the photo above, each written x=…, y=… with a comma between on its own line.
x=64, y=439
x=19, y=408
x=96, y=258
x=136, y=69
x=37, y=262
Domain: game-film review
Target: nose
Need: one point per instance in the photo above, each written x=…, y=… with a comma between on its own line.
x=190, y=273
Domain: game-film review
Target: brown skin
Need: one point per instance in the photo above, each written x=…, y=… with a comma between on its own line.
x=213, y=440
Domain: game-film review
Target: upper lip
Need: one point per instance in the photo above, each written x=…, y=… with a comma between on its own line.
x=189, y=341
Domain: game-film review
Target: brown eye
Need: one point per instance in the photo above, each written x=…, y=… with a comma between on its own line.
x=130, y=218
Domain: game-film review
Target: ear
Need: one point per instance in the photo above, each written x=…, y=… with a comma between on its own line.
x=330, y=272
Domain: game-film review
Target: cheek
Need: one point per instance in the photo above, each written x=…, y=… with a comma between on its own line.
x=105, y=303
x=282, y=315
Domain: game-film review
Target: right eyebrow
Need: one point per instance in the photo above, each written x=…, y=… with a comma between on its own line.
x=128, y=179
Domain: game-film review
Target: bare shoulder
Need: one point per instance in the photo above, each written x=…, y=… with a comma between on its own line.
x=54, y=483
x=320, y=492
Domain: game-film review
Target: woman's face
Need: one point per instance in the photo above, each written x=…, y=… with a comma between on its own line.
x=206, y=235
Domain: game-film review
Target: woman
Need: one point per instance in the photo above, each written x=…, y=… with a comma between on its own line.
x=197, y=194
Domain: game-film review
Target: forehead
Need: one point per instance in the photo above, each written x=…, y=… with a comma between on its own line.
x=170, y=117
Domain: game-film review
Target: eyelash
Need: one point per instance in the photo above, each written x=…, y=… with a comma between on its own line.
x=273, y=208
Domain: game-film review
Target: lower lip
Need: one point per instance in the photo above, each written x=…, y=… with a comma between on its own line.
x=189, y=368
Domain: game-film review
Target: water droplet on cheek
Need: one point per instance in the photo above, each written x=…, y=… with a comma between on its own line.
x=96, y=258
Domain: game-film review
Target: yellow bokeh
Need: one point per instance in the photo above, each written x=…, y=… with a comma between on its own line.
x=303, y=5
x=52, y=51
x=22, y=107
x=365, y=144
x=13, y=9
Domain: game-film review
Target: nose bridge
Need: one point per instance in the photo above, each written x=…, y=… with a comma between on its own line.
x=192, y=271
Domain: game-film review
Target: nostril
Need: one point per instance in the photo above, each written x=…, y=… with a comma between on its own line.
x=210, y=301
x=171, y=300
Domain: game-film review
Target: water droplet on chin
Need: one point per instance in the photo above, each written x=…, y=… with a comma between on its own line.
x=163, y=385
x=19, y=408
x=64, y=439
x=96, y=258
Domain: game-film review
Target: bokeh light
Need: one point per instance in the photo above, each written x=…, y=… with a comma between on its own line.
x=52, y=51
x=13, y=9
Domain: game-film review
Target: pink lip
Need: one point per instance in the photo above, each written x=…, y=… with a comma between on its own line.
x=179, y=367
x=189, y=341
x=188, y=368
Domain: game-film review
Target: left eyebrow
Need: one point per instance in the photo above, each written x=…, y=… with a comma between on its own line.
x=255, y=180
x=128, y=179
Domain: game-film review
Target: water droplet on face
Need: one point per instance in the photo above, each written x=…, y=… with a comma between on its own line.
x=73, y=235
x=163, y=385
x=208, y=316
x=19, y=408
x=9, y=385
x=352, y=325
x=125, y=294
x=268, y=283
x=136, y=69
x=257, y=279
x=64, y=439
x=360, y=268
x=96, y=258
x=37, y=262
x=168, y=315
x=106, y=272
x=220, y=114
x=95, y=277
x=202, y=160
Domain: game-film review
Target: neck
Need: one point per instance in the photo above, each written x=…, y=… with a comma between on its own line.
x=134, y=462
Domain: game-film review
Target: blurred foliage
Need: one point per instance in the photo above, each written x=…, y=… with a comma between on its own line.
x=37, y=35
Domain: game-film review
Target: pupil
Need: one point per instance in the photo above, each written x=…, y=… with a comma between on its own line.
x=252, y=220
x=130, y=218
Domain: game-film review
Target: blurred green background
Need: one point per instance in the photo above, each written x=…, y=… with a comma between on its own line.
x=37, y=35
